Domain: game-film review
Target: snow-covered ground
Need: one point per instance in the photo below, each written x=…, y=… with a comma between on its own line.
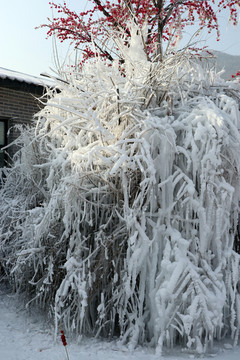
x=25, y=336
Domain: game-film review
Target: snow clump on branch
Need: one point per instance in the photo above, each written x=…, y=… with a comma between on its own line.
x=120, y=210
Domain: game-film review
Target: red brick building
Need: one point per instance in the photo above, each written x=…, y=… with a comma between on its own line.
x=19, y=94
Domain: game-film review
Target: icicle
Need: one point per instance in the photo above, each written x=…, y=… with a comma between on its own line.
x=119, y=212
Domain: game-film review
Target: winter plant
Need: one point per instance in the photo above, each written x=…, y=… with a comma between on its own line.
x=165, y=20
x=119, y=213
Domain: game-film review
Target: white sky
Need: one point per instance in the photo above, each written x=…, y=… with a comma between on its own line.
x=24, y=49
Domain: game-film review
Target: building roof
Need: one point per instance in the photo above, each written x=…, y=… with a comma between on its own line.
x=23, y=82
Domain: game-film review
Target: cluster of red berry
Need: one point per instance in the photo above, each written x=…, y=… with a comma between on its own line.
x=64, y=342
x=165, y=19
x=236, y=75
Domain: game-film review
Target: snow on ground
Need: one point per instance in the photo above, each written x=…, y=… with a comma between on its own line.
x=25, y=336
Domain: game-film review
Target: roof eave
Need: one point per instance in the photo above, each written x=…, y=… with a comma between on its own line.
x=22, y=86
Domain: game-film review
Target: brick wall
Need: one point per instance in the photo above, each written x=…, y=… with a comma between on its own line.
x=17, y=107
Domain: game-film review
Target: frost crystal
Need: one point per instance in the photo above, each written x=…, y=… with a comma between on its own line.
x=120, y=210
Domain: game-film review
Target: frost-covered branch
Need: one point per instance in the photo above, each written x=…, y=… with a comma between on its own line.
x=119, y=213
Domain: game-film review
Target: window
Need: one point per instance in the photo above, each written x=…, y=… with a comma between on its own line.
x=3, y=140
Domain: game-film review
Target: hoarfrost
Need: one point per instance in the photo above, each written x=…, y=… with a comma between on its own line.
x=120, y=210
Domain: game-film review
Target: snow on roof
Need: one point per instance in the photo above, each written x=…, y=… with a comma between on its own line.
x=30, y=79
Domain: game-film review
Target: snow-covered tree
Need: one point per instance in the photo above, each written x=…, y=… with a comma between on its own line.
x=119, y=213
x=165, y=21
